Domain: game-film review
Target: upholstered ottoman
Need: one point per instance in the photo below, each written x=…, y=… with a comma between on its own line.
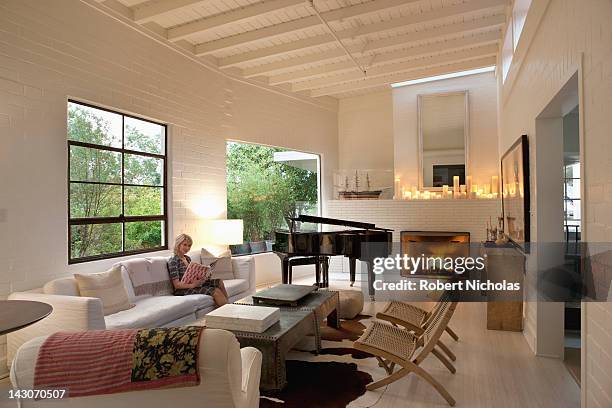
x=351, y=304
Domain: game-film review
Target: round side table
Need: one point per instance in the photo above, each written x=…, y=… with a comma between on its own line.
x=17, y=314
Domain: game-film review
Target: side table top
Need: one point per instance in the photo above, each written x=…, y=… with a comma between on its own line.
x=17, y=314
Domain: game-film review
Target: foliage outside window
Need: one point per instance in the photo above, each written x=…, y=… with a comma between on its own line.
x=117, y=195
x=263, y=191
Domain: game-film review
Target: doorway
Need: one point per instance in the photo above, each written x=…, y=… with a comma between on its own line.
x=559, y=225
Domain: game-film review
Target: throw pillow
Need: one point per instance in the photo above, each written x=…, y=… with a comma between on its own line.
x=108, y=287
x=223, y=268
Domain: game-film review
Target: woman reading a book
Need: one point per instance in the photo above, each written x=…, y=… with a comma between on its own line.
x=178, y=266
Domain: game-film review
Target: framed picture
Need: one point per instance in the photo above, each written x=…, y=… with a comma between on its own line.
x=515, y=191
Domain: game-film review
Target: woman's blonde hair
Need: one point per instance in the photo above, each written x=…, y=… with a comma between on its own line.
x=180, y=239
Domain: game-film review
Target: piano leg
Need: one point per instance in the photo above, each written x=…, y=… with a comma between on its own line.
x=371, y=277
x=326, y=271
x=318, y=272
x=352, y=266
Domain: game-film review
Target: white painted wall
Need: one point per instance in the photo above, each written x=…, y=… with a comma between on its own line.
x=571, y=32
x=365, y=133
x=51, y=52
x=483, y=150
x=414, y=215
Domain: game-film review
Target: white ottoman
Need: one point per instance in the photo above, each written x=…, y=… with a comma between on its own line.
x=351, y=304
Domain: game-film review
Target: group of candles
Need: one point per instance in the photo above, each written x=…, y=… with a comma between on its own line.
x=458, y=191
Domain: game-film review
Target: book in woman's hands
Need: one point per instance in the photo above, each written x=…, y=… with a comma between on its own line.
x=196, y=272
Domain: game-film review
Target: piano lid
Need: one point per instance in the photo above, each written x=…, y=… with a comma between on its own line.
x=335, y=221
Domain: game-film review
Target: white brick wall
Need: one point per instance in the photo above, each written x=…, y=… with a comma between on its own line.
x=482, y=98
x=423, y=215
x=571, y=31
x=50, y=51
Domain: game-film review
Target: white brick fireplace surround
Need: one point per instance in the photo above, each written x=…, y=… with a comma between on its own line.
x=411, y=215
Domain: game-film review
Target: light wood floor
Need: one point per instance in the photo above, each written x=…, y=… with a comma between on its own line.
x=494, y=370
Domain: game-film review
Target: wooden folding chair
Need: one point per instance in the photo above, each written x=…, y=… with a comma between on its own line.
x=415, y=319
x=392, y=346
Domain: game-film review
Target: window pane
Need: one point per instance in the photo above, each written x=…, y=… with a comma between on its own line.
x=143, y=234
x=143, y=201
x=88, y=164
x=94, y=239
x=144, y=136
x=93, y=125
x=94, y=200
x=143, y=170
x=573, y=188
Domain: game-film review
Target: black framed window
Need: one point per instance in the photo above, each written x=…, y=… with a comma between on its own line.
x=117, y=201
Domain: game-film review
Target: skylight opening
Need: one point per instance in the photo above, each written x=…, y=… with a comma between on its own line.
x=444, y=76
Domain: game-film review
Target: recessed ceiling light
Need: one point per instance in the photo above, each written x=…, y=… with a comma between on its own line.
x=444, y=76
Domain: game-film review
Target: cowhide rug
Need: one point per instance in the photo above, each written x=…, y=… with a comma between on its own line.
x=330, y=379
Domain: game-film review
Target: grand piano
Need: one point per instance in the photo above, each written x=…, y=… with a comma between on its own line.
x=363, y=242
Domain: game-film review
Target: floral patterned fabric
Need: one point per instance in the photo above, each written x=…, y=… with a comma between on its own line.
x=161, y=353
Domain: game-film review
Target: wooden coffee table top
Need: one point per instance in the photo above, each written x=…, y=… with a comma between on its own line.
x=17, y=314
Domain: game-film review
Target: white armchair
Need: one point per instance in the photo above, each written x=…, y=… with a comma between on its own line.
x=70, y=313
x=229, y=378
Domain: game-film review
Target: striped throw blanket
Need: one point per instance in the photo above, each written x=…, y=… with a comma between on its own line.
x=111, y=361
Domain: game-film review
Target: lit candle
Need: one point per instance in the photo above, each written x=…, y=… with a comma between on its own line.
x=445, y=189
x=426, y=195
x=456, y=184
x=407, y=195
x=416, y=194
x=462, y=187
x=487, y=189
x=494, y=184
x=468, y=183
x=398, y=188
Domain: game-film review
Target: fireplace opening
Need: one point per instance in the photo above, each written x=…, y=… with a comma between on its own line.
x=434, y=245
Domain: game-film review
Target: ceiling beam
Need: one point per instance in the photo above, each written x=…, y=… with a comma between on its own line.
x=299, y=24
x=369, y=61
x=275, y=50
x=404, y=76
x=352, y=33
x=376, y=45
x=149, y=10
x=442, y=59
x=230, y=17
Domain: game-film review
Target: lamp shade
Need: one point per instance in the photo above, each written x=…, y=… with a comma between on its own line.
x=223, y=232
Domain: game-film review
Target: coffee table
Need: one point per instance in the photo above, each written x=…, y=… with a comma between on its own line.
x=323, y=304
x=275, y=343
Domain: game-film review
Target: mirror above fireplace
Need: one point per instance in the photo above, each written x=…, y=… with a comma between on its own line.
x=443, y=138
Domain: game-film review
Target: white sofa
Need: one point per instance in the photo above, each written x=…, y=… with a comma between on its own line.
x=72, y=312
x=229, y=378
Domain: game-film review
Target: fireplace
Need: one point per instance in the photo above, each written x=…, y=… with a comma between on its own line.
x=434, y=246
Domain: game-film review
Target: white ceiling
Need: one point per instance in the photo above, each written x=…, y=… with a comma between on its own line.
x=284, y=43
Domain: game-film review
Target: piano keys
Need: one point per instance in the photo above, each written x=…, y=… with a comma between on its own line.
x=364, y=242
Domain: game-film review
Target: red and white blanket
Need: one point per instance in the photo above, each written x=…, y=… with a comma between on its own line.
x=111, y=361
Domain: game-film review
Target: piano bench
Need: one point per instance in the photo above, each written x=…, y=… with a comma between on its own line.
x=321, y=272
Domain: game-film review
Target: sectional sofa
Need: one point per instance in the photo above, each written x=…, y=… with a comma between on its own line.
x=72, y=312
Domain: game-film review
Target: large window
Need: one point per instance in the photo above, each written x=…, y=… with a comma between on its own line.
x=117, y=184
x=264, y=186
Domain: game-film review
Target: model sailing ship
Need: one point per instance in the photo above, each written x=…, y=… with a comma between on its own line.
x=356, y=194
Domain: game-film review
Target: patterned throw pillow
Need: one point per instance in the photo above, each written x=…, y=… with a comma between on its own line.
x=195, y=272
x=108, y=287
